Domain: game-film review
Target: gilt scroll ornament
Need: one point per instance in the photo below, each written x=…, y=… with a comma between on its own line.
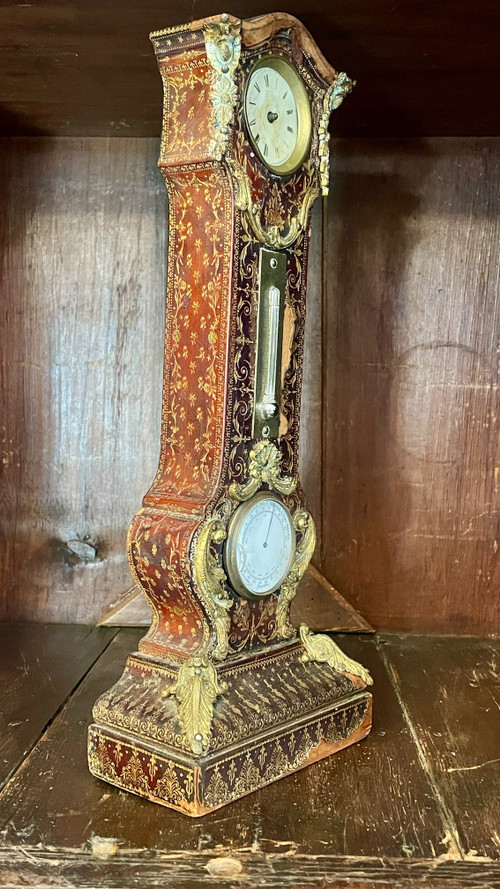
x=222, y=697
x=264, y=467
x=304, y=524
x=321, y=648
x=210, y=578
x=271, y=235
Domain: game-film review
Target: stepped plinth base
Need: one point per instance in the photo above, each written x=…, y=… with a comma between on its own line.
x=275, y=716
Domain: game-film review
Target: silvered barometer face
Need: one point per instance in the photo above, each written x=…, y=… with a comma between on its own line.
x=260, y=547
x=277, y=114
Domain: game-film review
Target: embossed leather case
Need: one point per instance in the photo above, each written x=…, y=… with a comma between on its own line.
x=223, y=696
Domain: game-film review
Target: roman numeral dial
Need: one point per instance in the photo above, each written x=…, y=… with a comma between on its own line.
x=277, y=113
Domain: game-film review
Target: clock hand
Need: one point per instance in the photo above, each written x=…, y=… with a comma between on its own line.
x=269, y=528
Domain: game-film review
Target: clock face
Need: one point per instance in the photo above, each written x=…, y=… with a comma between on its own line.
x=278, y=114
x=260, y=546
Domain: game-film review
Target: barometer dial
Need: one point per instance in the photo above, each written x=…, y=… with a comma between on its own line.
x=260, y=546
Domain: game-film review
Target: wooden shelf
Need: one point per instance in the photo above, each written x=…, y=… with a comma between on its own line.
x=87, y=68
x=417, y=801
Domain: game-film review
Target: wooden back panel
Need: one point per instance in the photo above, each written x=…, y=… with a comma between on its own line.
x=411, y=332
x=399, y=445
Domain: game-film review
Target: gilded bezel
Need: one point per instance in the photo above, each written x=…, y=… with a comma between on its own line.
x=296, y=84
x=234, y=528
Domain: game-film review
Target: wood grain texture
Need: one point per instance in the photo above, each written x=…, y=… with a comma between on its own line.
x=319, y=605
x=370, y=800
x=406, y=494
x=450, y=691
x=86, y=68
x=39, y=668
x=273, y=868
x=411, y=462
x=82, y=236
x=83, y=241
x=402, y=792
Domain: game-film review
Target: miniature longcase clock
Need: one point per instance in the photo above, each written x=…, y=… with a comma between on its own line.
x=225, y=695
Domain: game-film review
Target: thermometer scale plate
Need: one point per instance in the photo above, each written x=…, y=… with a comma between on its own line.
x=272, y=285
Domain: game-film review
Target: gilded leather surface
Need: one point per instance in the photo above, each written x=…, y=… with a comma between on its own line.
x=213, y=258
x=215, y=704
x=198, y=299
x=276, y=714
x=260, y=695
x=193, y=406
x=186, y=130
x=198, y=787
x=157, y=546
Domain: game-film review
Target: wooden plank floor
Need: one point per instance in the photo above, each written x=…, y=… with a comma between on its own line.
x=39, y=668
x=416, y=803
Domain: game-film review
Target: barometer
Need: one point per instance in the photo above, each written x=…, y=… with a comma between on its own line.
x=260, y=546
x=225, y=694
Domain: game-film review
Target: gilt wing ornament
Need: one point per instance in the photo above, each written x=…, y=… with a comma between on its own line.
x=321, y=648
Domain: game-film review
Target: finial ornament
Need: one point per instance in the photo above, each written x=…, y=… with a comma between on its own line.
x=223, y=46
x=332, y=99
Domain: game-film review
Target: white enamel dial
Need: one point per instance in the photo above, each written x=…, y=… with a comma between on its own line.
x=261, y=546
x=277, y=114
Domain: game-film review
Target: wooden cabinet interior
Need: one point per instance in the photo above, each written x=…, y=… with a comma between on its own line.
x=85, y=68
x=400, y=446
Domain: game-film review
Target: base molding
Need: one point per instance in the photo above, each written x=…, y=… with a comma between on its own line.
x=198, y=785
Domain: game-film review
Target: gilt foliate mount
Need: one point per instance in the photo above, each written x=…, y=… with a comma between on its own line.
x=224, y=694
x=264, y=471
